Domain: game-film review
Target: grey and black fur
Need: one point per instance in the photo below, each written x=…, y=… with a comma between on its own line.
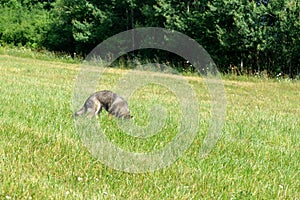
x=111, y=102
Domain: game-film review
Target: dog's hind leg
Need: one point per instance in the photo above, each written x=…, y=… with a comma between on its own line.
x=98, y=110
x=91, y=112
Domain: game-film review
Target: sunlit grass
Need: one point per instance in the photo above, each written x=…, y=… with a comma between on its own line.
x=42, y=156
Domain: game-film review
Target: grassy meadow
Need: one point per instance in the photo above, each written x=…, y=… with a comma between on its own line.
x=43, y=157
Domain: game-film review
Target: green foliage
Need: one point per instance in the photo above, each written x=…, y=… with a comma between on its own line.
x=247, y=37
x=23, y=26
x=258, y=36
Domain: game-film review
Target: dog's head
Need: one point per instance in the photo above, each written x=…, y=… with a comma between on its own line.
x=122, y=113
x=127, y=115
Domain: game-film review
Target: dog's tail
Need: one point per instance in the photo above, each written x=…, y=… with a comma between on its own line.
x=79, y=112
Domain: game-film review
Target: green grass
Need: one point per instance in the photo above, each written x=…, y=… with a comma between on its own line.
x=42, y=156
x=41, y=54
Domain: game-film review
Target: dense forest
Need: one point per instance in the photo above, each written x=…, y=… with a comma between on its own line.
x=242, y=36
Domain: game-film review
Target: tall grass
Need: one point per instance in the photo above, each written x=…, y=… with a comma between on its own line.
x=42, y=156
x=40, y=54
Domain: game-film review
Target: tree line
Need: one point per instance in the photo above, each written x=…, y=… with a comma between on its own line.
x=242, y=36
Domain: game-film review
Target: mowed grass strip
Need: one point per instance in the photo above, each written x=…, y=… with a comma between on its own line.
x=42, y=157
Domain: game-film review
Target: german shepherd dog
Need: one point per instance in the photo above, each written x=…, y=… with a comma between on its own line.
x=111, y=102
